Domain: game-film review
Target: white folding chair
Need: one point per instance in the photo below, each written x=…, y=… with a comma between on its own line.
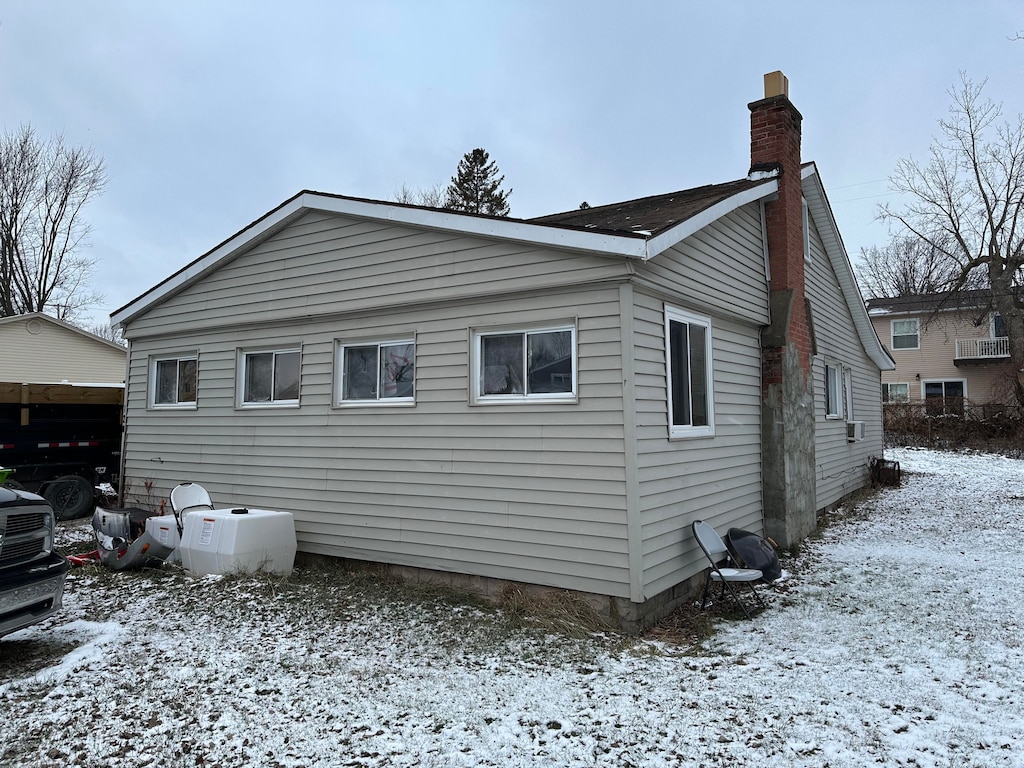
x=717, y=553
x=188, y=497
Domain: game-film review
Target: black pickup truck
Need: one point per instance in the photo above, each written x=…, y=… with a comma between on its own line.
x=32, y=571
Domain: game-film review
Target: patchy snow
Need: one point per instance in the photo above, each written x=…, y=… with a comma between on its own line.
x=896, y=641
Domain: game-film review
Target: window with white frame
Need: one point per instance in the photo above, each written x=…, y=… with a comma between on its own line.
x=269, y=377
x=376, y=373
x=848, y=392
x=173, y=381
x=688, y=354
x=525, y=365
x=807, y=230
x=906, y=334
x=833, y=391
x=895, y=392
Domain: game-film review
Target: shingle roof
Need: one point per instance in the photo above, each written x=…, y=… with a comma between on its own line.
x=648, y=216
x=931, y=302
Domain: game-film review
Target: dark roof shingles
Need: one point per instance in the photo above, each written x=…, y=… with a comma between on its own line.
x=647, y=216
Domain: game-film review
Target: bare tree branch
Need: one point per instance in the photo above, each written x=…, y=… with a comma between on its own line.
x=967, y=201
x=44, y=187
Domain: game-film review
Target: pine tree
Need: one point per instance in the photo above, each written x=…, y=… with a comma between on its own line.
x=476, y=186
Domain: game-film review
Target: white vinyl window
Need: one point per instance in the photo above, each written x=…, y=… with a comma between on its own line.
x=895, y=393
x=691, y=410
x=269, y=377
x=173, y=381
x=833, y=391
x=376, y=373
x=906, y=334
x=807, y=231
x=536, y=365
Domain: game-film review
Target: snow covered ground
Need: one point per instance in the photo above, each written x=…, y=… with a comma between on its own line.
x=896, y=641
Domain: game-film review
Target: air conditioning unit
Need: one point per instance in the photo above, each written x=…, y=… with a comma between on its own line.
x=854, y=431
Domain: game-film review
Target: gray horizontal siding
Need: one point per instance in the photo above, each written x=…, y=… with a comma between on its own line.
x=841, y=466
x=719, y=269
x=533, y=493
x=326, y=264
x=717, y=479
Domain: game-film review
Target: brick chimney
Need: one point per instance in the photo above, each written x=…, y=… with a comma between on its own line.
x=787, y=344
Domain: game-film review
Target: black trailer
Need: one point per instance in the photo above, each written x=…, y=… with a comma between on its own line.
x=61, y=440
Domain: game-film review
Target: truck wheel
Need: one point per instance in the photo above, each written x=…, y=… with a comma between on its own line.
x=70, y=496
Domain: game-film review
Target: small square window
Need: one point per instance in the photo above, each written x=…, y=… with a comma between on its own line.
x=378, y=373
x=270, y=377
x=906, y=334
x=173, y=382
x=895, y=393
x=520, y=366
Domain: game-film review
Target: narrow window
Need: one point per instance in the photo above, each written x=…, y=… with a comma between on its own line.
x=527, y=365
x=833, y=391
x=173, y=381
x=848, y=392
x=377, y=372
x=270, y=378
x=688, y=354
x=906, y=334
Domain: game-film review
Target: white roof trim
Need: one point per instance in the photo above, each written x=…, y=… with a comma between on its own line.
x=696, y=223
x=61, y=324
x=504, y=229
x=821, y=212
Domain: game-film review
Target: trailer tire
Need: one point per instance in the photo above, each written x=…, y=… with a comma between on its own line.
x=70, y=496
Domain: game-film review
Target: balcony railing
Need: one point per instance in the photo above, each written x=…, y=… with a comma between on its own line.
x=978, y=349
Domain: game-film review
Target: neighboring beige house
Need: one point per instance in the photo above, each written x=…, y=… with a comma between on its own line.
x=39, y=349
x=948, y=351
x=551, y=401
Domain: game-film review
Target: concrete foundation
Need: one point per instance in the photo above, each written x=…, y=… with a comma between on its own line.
x=617, y=613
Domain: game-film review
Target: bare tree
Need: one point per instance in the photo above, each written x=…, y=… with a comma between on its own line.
x=105, y=331
x=44, y=187
x=907, y=266
x=967, y=202
x=432, y=197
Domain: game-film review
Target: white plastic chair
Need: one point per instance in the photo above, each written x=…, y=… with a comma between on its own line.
x=188, y=497
x=717, y=553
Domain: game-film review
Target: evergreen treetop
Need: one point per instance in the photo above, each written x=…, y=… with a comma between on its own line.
x=476, y=186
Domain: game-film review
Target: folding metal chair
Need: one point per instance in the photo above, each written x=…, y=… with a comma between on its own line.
x=188, y=497
x=717, y=553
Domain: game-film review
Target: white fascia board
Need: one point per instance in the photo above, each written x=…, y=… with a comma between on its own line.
x=708, y=216
x=502, y=229
x=821, y=212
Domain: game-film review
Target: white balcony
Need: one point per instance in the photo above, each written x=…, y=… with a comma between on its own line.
x=982, y=349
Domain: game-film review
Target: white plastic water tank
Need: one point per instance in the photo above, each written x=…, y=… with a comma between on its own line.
x=238, y=540
x=165, y=530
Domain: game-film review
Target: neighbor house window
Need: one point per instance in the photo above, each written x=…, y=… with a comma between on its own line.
x=525, y=366
x=270, y=377
x=376, y=373
x=998, y=328
x=895, y=393
x=906, y=334
x=944, y=397
x=173, y=381
x=688, y=352
x=833, y=391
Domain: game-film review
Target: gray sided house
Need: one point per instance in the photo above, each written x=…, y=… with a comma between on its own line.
x=551, y=401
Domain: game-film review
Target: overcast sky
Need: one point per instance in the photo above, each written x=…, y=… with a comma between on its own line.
x=209, y=114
